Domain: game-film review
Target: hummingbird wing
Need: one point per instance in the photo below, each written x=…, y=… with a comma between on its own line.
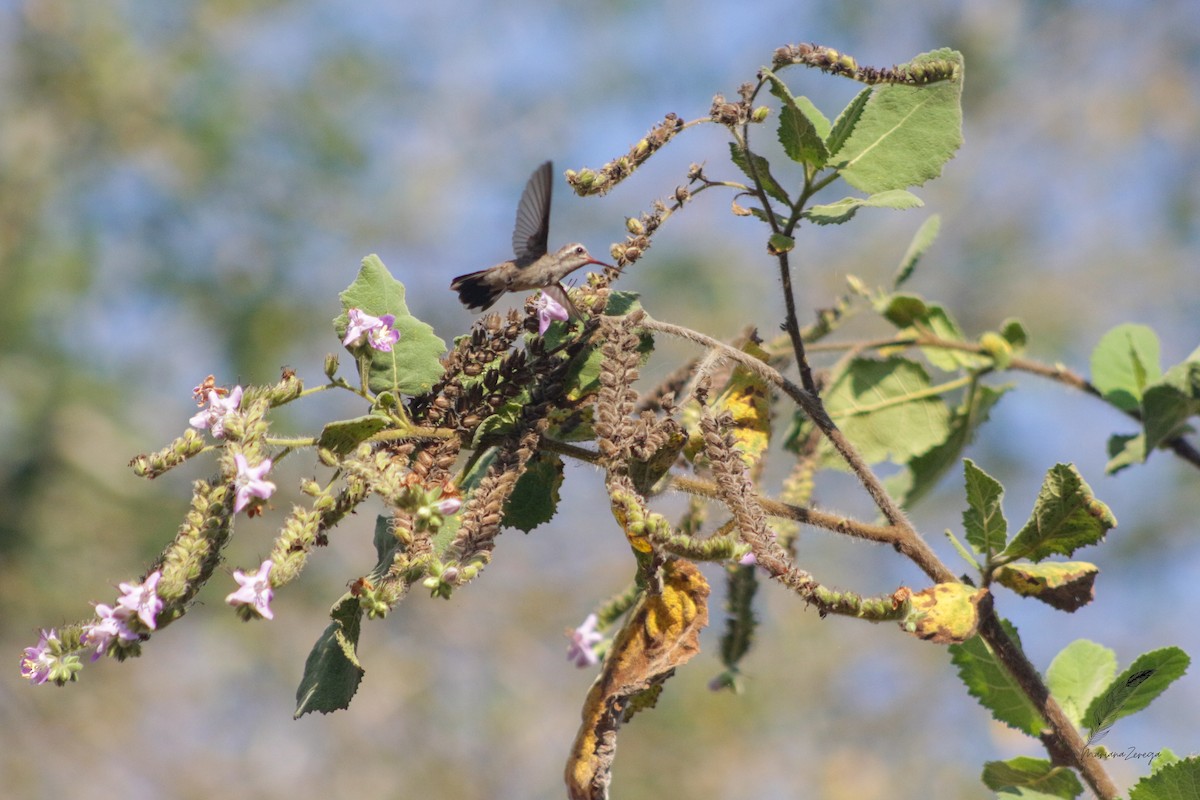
x=532, y=230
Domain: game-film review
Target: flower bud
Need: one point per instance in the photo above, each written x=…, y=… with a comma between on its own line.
x=760, y=114
x=634, y=226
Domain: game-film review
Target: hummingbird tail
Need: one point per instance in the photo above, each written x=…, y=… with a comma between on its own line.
x=477, y=290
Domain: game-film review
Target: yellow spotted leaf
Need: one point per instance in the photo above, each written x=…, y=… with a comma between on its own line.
x=946, y=612
x=1065, y=585
x=747, y=399
x=661, y=633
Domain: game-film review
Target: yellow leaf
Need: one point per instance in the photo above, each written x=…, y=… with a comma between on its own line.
x=661, y=633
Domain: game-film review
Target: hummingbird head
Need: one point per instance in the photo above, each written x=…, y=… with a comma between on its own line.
x=574, y=256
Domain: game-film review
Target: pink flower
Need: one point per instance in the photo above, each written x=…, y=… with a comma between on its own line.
x=379, y=331
x=113, y=624
x=219, y=407
x=584, y=639
x=142, y=599
x=38, y=661
x=254, y=590
x=250, y=482
x=548, y=310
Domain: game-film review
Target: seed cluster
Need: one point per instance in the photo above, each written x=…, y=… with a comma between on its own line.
x=829, y=60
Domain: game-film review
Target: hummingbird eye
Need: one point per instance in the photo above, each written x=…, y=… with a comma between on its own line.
x=579, y=250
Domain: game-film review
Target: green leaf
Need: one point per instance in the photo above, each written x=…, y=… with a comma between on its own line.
x=534, y=499
x=991, y=684
x=905, y=133
x=1066, y=516
x=1078, y=674
x=802, y=135
x=1124, y=450
x=925, y=470
x=344, y=435
x=1013, y=331
x=762, y=168
x=1179, y=780
x=799, y=137
x=1030, y=778
x=915, y=317
x=1065, y=585
x=922, y=240
x=1134, y=689
x=983, y=521
x=1165, y=410
x=583, y=378
x=1123, y=362
x=842, y=210
x=778, y=243
x=414, y=363
x=846, y=122
x=887, y=409
x=332, y=672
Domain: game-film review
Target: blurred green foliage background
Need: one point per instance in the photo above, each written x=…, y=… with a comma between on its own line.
x=184, y=187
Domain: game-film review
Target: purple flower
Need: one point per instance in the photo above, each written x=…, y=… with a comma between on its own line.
x=378, y=330
x=38, y=661
x=254, y=590
x=584, y=639
x=249, y=482
x=748, y=559
x=219, y=407
x=548, y=310
x=113, y=624
x=141, y=599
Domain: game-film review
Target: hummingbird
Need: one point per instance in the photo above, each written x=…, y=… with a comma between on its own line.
x=532, y=265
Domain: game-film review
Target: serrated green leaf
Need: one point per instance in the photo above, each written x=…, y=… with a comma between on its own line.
x=332, y=672
x=846, y=122
x=414, y=363
x=778, y=243
x=762, y=168
x=924, y=471
x=1065, y=585
x=1124, y=361
x=983, y=521
x=1066, y=516
x=922, y=240
x=1078, y=674
x=1178, y=780
x=799, y=137
x=905, y=134
x=344, y=435
x=887, y=409
x=1134, y=689
x=813, y=114
x=534, y=500
x=842, y=210
x=1031, y=779
x=991, y=684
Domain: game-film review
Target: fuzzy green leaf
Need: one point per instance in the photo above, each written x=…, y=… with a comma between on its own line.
x=906, y=133
x=1065, y=585
x=534, y=500
x=843, y=210
x=887, y=409
x=846, y=122
x=915, y=317
x=1134, y=689
x=1124, y=361
x=1176, y=780
x=983, y=521
x=1078, y=674
x=799, y=137
x=1066, y=516
x=1124, y=450
x=1031, y=779
x=1165, y=411
x=414, y=362
x=332, y=672
x=762, y=168
x=991, y=684
x=344, y=435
